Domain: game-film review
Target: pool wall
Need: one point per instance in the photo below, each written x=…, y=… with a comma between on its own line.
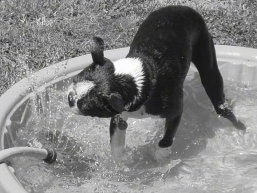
x=244, y=69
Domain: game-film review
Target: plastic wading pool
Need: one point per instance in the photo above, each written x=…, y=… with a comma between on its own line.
x=241, y=66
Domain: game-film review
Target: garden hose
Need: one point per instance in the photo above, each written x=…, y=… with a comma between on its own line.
x=49, y=156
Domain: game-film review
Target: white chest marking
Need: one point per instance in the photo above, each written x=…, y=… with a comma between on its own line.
x=132, y=67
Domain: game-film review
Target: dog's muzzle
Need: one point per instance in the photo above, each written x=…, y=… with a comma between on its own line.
x=72, y=99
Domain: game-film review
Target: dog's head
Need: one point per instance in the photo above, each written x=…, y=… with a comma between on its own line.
x=91, y=94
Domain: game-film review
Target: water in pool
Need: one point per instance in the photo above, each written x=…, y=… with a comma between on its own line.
x=208, y=154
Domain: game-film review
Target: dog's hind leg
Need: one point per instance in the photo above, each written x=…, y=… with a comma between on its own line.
x=204, y=58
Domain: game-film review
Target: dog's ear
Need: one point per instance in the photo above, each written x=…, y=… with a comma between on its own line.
x=116, y=102
x=97, y=50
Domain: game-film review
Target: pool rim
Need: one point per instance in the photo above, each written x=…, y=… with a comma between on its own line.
x=19, y=92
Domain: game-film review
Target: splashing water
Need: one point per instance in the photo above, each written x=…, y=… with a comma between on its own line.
x=208, y=154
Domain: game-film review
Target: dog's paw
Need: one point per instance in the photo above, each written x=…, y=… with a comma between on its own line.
x=240, y=126
x=162, y=154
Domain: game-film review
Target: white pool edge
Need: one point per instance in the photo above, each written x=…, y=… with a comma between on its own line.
x=13, y=97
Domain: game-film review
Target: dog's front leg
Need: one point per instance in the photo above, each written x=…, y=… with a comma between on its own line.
x=163, y=151
x=118, y=128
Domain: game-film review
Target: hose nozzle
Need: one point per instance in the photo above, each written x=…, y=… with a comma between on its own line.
x=51, y=156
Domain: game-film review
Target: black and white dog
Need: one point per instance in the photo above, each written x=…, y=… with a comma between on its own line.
x=149, y=81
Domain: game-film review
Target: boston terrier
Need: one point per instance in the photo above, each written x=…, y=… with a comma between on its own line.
x=149, y=80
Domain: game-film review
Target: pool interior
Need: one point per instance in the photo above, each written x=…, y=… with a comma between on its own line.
x=207, y=154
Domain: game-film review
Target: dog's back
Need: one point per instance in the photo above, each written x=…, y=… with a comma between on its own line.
x=168, y=38
x=168, y=35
